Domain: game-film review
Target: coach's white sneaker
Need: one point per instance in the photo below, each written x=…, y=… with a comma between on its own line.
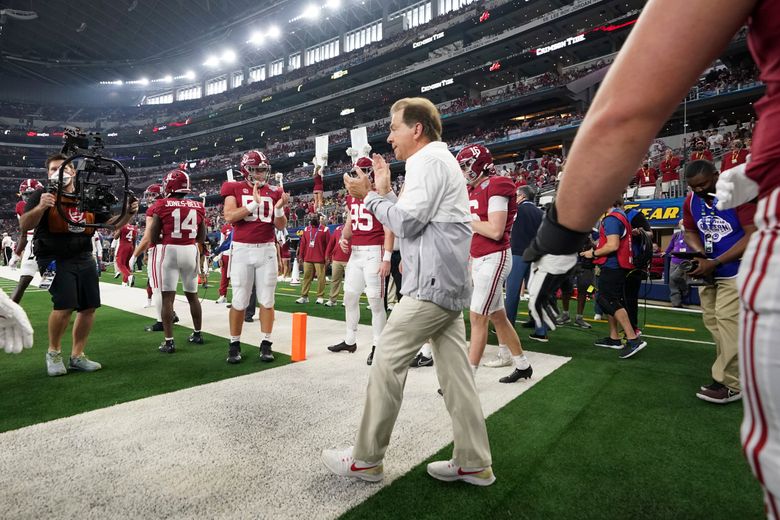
x=302, y=299
x=448, y=471
x=319, y=301
x=498, y=362
x=330, y=303
x=221, y=299
x=341, y=462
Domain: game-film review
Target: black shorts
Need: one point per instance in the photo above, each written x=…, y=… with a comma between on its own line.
x=76, y=284
x=612, y=283
x=584, y=278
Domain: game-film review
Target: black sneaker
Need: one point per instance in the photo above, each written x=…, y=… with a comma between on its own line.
x=517, y=374
x=542, y=338
x=175, y=318
x=421, y=361
x=714, y=386
x=529, y=324
x=344, y=346
x=167, y=347
x=248, y=319
x=609, y=343
x=195, y=337
x=265, y=351
x=632, y=347
x=234, y=353
x=370, y=356
x=157, y=327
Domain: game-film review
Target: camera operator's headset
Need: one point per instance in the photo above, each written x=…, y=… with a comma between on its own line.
x=89, y=190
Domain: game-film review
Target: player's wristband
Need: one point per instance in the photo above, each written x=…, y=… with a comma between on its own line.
x=252, y=207
x=387, y=256
x=278, y=212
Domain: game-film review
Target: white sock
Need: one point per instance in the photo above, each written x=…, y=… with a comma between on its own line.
x=503, y=351
x=266, y=336
x=233, y=339
x=426, y=350
x=378, y=317
x=352, y=316
x=521, y=362
x=474, y=370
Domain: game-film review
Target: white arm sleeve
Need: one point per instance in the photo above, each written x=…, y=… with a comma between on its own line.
x=497, y=203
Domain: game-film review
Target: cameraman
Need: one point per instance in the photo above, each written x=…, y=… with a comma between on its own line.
x=721, y=236
x=75, y=284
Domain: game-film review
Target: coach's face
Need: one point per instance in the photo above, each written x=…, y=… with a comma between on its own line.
x=402, y=137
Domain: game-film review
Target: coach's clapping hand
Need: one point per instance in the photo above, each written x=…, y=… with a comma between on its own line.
x=16, y=333
x=381, y=175
x=359, y=185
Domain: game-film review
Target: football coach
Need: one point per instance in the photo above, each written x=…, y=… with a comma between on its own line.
x=432, y=221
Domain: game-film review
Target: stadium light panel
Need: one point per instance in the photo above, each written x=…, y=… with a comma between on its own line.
x=256, y=38
x=143, y=81
x=333, y=4
x=211, y=61
x=312, y=12
x=168, y=78
x=274, y=32
x=229, y=56
x=189, y=74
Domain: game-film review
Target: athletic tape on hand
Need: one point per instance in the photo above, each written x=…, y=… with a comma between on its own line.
x=734, y=187
x=547, y=275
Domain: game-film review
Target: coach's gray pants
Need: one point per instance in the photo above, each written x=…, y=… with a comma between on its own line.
x=410, y=325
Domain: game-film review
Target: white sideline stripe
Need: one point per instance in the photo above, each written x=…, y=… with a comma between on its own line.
x=246, y=447
x=672, y=309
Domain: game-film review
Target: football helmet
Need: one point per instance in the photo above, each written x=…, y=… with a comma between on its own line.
x=176, y=181
x=366, y=165
x=28, y=186
x=255, y=167
x=152, y=193
x=475, y=161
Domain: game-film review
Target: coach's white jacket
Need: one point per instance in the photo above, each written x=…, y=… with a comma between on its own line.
x=431, y=219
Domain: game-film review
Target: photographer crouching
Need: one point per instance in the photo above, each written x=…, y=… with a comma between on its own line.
x=75, y=284
x=718, y=238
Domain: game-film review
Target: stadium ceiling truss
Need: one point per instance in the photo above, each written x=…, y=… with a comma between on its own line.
x=86, y=41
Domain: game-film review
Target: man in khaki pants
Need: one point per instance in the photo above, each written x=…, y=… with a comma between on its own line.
x=311, y=250
x=721, y=236
x=431, y=220
x=337, y=257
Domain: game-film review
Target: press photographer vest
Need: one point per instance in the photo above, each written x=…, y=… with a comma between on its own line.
x=624, y=256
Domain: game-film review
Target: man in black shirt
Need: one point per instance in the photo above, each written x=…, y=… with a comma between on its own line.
x=75, y=285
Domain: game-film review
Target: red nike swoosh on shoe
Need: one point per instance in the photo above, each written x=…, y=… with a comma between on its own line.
x=461, y=472
x=355, y=468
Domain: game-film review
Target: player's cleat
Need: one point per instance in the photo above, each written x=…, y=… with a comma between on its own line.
x=131, y=281
x=597, y=316
x=157, y=327
x=632, y=347
x=330, y=303
x=83, y=364
x=542, y=338
x=319, y=301
x=54, y=365
x=175, y=318
x=234, y=353
x=421, y=361
x=167, y=347
x=448, y=471
x=341, y=463
x=581, y=323
x=196, y=338
x=563, y=319
x=117, y=275
x=302, y=299
x=370, y=359
x=498, y=362
x=266, y=355
x=248, y=319
x=221, y=299
x=609, y=343
x=124, y=284
x=390, y=306
x=343, y=346
x=517, y=375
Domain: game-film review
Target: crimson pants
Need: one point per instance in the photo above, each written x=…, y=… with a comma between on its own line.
x=122, y=260
x=223, y=281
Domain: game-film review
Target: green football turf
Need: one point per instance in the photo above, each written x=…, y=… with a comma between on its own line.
x=132, y=367
x=598, y=438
